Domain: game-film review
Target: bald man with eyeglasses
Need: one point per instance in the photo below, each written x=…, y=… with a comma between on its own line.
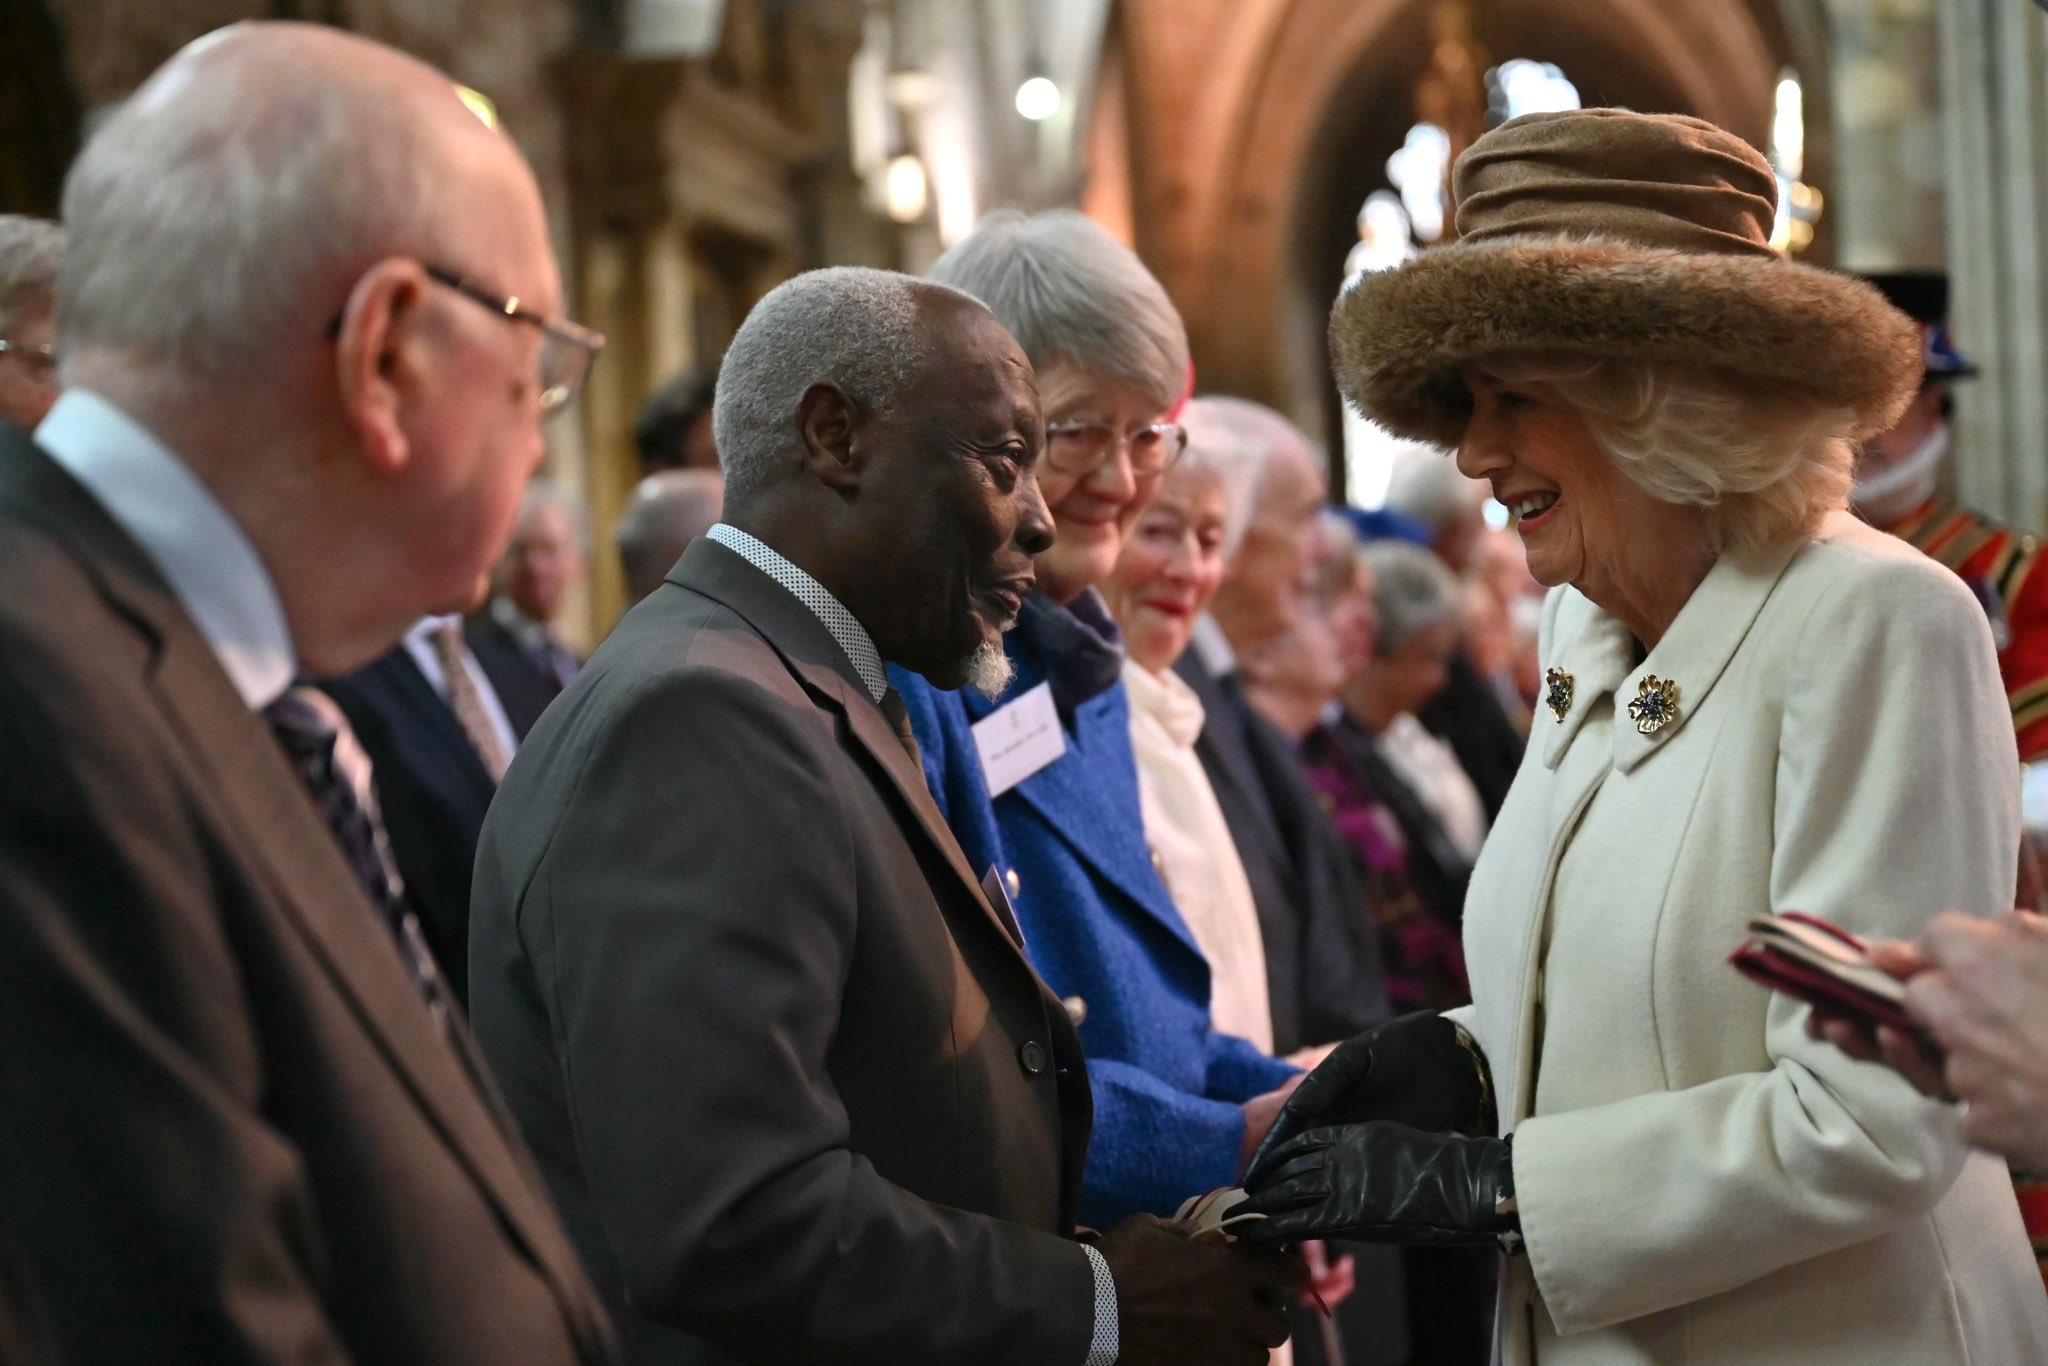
x=245, y=1119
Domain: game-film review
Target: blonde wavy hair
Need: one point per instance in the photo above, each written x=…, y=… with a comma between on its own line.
x=1766, y=470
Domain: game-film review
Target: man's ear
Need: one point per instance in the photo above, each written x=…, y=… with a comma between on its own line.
x=378, y=360
x=832, y=429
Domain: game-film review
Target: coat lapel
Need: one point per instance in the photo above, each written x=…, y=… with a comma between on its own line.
x=1091, y=818
x=1696, y=650
x=828, y=675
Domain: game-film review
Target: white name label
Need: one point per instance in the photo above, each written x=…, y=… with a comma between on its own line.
x=1019, y=739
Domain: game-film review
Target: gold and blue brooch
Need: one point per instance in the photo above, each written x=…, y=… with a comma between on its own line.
x=1656, y=705
x=1557, y=692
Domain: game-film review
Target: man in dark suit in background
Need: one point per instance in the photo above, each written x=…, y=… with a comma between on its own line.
x=1322, y=957
x=438, y=738
x=1323, y=972
x=514, y=638
x=239, y=1119
x=784, y=1062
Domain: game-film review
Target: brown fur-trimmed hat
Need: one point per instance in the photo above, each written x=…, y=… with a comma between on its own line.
x=1606, y=233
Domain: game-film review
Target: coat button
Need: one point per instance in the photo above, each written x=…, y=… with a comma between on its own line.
x=1077, y=1010
x=1032, y=1055
x=1013, y=882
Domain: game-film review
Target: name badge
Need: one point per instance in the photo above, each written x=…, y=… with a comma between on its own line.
x=1019, y=739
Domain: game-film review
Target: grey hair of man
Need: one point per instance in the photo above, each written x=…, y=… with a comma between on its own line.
x=1068, y=291
x=1425, y=484
x=543, y=492
x=1413, y=591
x=1239, y=439
x=31, y=255
x=667, y=510
x=856, y=328
x=219, y=213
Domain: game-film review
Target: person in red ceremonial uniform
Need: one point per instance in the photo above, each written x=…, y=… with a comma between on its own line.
x=1899, y=478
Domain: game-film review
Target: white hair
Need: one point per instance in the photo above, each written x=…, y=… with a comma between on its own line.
x=858, y=329
x=1237, y=439
x=208, y=213
x=990, y=669
x=1425, y=484
x=31, y=254
x=1067, y=290
x=543, y=492
x=1412, y=591
x=1766, y=470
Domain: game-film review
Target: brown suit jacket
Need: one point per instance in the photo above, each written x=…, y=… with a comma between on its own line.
x=229, y=1129
x=798, y=1091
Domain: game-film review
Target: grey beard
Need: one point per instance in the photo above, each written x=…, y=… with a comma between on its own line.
x=989, y=670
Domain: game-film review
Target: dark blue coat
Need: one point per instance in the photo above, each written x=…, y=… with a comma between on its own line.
x=1098, y=922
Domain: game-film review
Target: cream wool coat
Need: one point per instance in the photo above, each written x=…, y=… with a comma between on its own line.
x=1699, y=1181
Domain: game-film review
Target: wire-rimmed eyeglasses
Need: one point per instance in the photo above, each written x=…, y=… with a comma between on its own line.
x=567, y=349
x=40, y=357
x=1083, y=447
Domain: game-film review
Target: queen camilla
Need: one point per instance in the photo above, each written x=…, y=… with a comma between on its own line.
x=1754, y=704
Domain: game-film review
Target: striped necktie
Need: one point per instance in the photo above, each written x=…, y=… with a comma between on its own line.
x=331, y=763
x=465, y=700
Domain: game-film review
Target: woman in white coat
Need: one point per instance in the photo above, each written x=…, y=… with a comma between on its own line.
x=1754, y=704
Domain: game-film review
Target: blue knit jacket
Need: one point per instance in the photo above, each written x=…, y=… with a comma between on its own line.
x=1098, y=922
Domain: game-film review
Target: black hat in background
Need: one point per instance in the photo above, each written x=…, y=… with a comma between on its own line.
x=1922, y=295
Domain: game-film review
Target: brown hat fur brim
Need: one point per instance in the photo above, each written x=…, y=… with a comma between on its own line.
x=1399, y=337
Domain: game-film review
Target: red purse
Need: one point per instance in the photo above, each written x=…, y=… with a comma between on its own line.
x=1826, y=966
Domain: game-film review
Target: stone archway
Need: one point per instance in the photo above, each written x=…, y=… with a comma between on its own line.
x=1255, y=125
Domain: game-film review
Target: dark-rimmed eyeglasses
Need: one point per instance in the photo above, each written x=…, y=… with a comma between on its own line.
x=1084, y=447
x=43, y=357
x=567, y=349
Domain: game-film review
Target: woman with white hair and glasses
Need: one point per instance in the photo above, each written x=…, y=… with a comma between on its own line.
x=1754, y=704
x=1045, y=796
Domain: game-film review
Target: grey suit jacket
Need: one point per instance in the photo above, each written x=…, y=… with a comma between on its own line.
x=229, y=1129
x=795, y=1085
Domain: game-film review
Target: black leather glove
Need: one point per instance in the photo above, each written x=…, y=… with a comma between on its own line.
x=1384, y=1183
x=1420, y=1070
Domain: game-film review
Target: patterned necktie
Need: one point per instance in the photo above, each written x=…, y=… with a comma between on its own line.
x=465, y=701
x=899, y=717
x=331, y=763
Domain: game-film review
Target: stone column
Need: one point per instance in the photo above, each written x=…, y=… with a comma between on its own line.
x=1994, y=74
x=1888, y=207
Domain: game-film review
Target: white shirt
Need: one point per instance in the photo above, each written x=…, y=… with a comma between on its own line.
x=210, y=565
x=1196, y=856
x=419, y=643
x=1440, y=783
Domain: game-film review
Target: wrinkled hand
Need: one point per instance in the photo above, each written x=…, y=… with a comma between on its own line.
x=1381, y=1183
x=1259, y=1114
x=1420, y=1070
x=1984, y=997
x=1179, y=1301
